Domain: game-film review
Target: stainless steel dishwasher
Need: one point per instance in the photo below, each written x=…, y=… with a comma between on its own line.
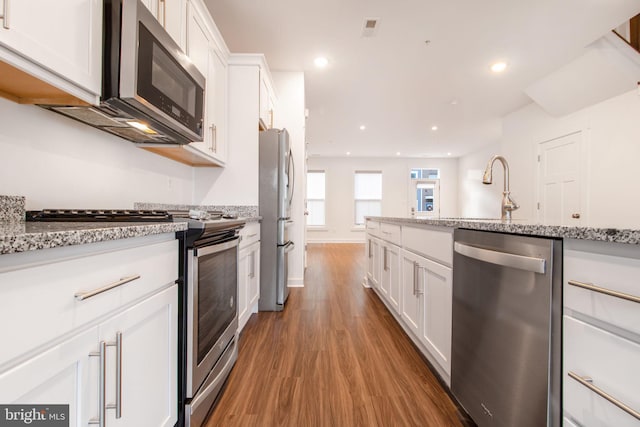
x=506, y=331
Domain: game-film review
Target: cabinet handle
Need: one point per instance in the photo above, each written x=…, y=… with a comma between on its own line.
x=385, y=259
x=214, y=138
x=252, y=272
x=5, y=14
x=605, y=291
x=587, y=382
x=415, y=278
x=164, y=12
x=386, y=232
x=81, y=296
x=370, y=255
x=101, y=384
x=270, y=119
x=118, y=404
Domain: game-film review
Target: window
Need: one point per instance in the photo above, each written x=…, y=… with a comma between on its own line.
x=425, y=173
x=367, y=195
x=316, y=198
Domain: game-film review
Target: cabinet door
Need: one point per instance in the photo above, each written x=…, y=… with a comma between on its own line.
x=373, y=263
x=265, y=114
x=173, y=17
x=64, y=374
x=198, y=38
x=391, y=275
x=436, y=315
x=153, y=6
x=254, y=275
x=412, y=289
x=216, y=104
x=64, y=37
x=243, y=284
x=148, y=362
x=385, y=271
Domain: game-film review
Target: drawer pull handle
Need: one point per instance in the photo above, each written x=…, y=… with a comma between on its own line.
x=387, y=232
x=81, y=296
x=587, y=382
x=605, y=291
x=5, y=15
x=252, y=235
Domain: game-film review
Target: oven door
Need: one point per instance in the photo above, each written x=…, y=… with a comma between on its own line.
x=212, y=319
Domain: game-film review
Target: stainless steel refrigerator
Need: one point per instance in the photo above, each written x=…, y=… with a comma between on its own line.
x=276, y=193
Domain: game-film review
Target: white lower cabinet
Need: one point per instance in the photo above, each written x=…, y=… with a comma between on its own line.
x=416, y=288
x=426, y=305
x=118, y=299
x=248, y=273
x=69, y=372
x=64, y=374
x=248, y=283
x=601, y=345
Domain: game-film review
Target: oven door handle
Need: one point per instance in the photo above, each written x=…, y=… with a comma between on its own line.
x=289, y=247
x=215, y=247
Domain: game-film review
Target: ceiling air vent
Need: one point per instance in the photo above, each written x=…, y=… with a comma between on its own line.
x=370, y=27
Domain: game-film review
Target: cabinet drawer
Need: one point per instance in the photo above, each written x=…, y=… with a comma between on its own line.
x=611, y=362
x=432, y=242
x=40, y=304
x=373, y=228
x=250, y=234
x=391, y=233
x=614, y=273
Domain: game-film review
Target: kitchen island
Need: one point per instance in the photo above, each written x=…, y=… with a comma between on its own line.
x=411, y=269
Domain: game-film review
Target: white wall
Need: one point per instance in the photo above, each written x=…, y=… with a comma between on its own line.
x=237, y=182
x=289, y=114
x=395, y=191
x=57, y=162
x=475, y=199
x=611, y=136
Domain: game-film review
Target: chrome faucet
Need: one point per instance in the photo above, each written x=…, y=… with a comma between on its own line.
x=508, y=204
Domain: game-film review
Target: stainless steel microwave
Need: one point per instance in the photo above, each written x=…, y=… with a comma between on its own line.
x=151, y=91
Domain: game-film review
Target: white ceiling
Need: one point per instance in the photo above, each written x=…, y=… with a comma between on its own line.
x=397, y=85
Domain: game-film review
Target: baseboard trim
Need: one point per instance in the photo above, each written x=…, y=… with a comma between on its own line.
x=295, y=283
x=335, y=241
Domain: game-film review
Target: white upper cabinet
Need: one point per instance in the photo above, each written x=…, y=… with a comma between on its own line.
x=208, y=53
x=59, y=43
x=172, y=16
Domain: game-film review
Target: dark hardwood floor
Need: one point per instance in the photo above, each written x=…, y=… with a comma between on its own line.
x=334, y=357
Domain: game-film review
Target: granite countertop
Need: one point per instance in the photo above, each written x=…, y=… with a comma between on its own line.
x=617, y=235
x=29, y=236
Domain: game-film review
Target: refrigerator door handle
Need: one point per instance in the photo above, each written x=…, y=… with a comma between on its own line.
x=292, y=177
x=289, y=247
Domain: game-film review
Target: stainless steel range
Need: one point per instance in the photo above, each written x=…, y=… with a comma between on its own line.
x=210, y=270
x=208, y=298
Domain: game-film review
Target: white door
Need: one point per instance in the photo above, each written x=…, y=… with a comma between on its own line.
x=424, y=198
x=63, y=36
x=559, y=184
x=64, y=374
x=436, y=316
x=148, y=362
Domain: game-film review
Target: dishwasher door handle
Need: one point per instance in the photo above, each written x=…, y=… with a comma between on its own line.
x=521, y=262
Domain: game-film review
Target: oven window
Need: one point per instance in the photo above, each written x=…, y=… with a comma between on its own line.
x=217, y=289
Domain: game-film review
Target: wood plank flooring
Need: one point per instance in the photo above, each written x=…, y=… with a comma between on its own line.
x=334, y=357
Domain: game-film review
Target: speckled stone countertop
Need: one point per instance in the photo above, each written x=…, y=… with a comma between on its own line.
x=29, y=236
x=247, y=212
x=628, y=236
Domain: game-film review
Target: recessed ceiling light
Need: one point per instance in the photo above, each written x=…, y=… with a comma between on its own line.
x=362, y=127
x=321, y=62
x=348, y=153
x=397, y=153
x=454, y=102
x=434, y=127
x=498, y=67
x=448, y=154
